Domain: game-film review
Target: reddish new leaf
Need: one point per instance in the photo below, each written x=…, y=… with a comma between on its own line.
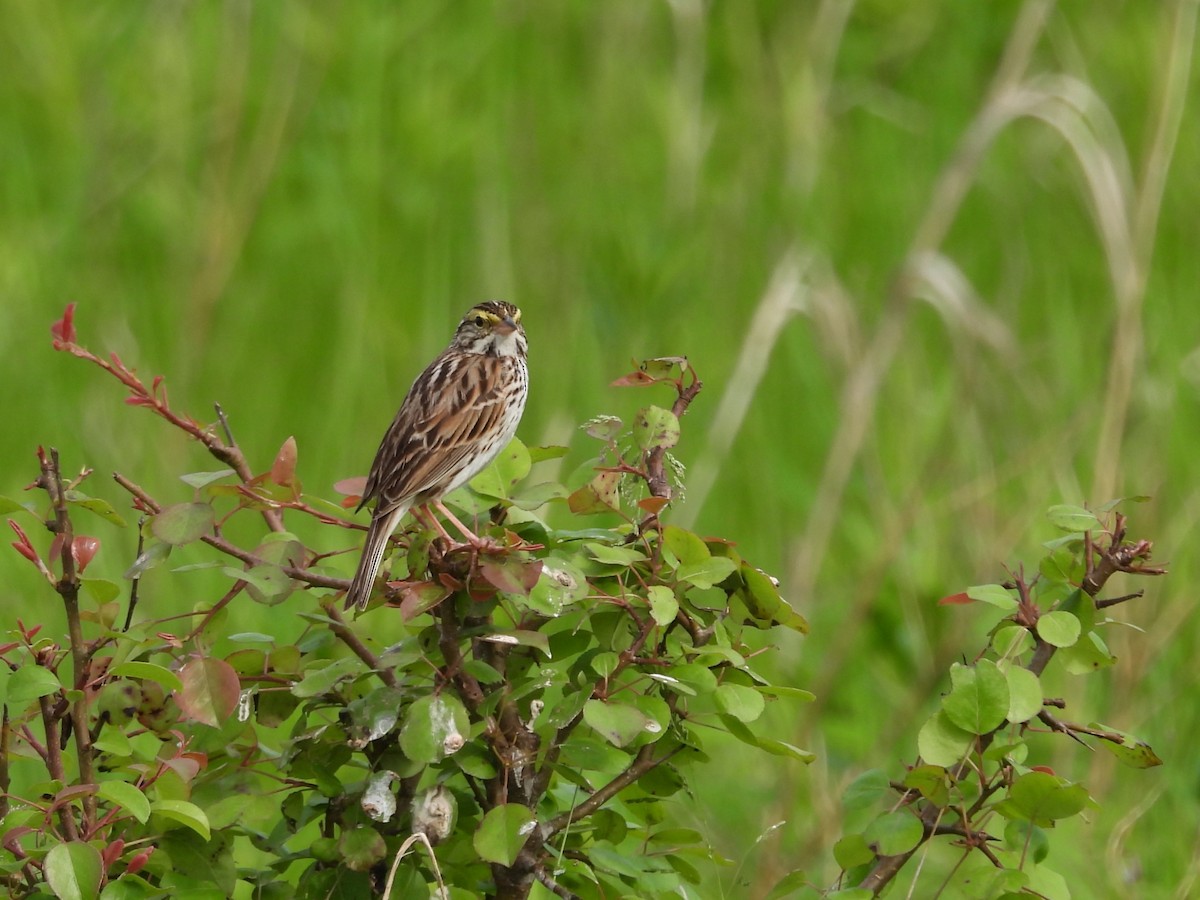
x=636, y=378
x=353, y=489
x=64, y=329
x=138, y=861
x=513, y=576
x=283, y=470
x=653, y=505
x=23, y=546
x=959, y=599
x=84, y=548
x=210, y=691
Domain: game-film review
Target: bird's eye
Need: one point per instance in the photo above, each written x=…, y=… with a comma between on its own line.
x=479, y=321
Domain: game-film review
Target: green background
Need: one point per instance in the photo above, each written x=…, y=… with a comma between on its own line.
x=934, y=261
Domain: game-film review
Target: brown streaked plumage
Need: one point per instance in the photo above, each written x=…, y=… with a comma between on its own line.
x=458, y=415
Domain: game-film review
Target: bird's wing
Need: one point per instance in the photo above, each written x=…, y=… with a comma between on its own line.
x=451, y=409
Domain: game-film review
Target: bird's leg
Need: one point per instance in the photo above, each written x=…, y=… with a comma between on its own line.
x=472, y=538
x=422, y=514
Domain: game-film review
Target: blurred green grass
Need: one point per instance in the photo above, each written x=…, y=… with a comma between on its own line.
x=285, y=207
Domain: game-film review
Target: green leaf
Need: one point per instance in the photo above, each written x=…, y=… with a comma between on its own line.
x=150, y=672
x=931, y=781
x=1043, y=798
x=597, y=496
x=1010, y=641
x=603, y=428
x=207, y=864
x=102, y=508
x=866, y=791
x=743, y=703
x=322, y=680
x=183, y=523
x=361, y=849
x=1132, y=751
x=686, y=546
x=521, y=637
x=510, y=467
x=765, y=603
x=7, y=505
x=663, y=605
x=503, y=833
x=617, y=723
x=185, y=813
x=978, y=702
x=776, y=748
x=786, y=691
x=126, y=796
x=435, y=727
x=615, y=556
x=1088, y=654
x=148, y=559
x=1072, y=518
x=941, y=742
x=793, y=881
x=995, y=594
x=200, y=480
x=852, y=851
x=29, y=683
x=1024, y=836
x=604, y=664
x=549, y=451
x=73, y=870
x=894, y=833
x=1024, y=694
x=560, y=584
x=535, y=496
x=101, y=590
x=210, y=691
x=1058, y=628
x=655, y=427
x=707, y=573
x=266, y=583
x=698, y=677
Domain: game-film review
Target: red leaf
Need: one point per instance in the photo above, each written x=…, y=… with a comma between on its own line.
x=1046, y=769
x=653, y=505
x=513, y=576
x=23, y=546
x=64, y=329
x=351, y=486
x=136, y=864
x=83, y=548
x=959, y=599
x=112, y=852
x=210, y=691
x=283, y=470
x=633, y=379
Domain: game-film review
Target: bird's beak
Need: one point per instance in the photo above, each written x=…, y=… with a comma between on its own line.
x=505, y=325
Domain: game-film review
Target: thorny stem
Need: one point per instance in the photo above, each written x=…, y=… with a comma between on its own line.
x=68, y=589
x=54, y=764
x=155, y=399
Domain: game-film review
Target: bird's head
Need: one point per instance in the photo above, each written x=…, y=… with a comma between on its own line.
x=492, y=328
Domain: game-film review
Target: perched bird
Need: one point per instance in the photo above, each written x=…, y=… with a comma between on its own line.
x=458, y=415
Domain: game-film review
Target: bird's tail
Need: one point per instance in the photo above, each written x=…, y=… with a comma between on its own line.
x=372, y=555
